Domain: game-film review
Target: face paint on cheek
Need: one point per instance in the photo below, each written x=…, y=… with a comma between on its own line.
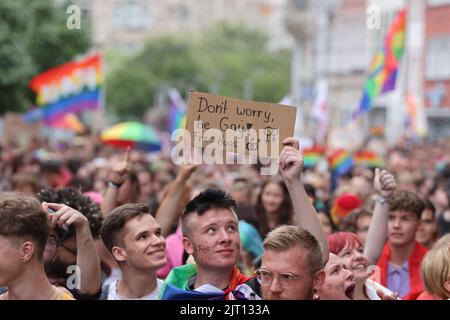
x=204, y=250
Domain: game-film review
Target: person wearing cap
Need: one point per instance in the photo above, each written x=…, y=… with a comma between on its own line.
x=343, y=205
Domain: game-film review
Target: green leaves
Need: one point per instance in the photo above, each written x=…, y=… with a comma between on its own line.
x=227, y=59
x=224, y=59
x=34, y=37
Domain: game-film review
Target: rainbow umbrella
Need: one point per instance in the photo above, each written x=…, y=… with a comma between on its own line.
x=132, y=134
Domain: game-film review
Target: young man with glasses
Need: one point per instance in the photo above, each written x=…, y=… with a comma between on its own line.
x=292, y=265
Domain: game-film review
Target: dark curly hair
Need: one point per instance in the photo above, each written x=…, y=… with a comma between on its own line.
x=75, y=199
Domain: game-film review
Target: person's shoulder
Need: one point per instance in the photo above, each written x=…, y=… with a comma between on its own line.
x=419, y=252
x=82, y=296
x=154, y=295
x=105, y=291
x=63, y=294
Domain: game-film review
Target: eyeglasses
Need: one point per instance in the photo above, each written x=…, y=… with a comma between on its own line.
x=285, y=279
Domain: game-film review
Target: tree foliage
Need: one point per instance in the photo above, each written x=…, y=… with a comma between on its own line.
x=222, y=60
x=34, y=37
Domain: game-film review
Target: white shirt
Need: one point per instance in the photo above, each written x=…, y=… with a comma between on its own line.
x=114, y=295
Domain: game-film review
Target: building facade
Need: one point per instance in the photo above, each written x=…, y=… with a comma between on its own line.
x=125, y=24
x=437, y=67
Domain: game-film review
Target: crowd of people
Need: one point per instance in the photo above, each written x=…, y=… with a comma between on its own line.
x=81, y=220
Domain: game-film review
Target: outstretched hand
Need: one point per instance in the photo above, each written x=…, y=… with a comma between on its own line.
x=291, y=160
x=384, y=183
x=186, y=171
x=121, y=169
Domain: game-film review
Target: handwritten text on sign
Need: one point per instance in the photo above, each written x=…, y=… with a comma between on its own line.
x=259, y=124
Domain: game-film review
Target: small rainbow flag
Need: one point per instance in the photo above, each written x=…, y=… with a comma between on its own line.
x=68, y=122
x=368, y=159
x=177, y=111
x=340, y=161
x=382, y=73
x=312, y=156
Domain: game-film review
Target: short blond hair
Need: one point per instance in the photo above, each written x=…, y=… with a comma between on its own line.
x=286, y=237
x=435, y=270
x=443, y=241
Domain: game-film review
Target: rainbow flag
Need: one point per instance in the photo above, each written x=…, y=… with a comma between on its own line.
x=177, y=111
x=367, y=158
x=69, y=122
x=341, y=162
x=384, y=67
x=176, y=286
x=312, y=156
x=69, y=88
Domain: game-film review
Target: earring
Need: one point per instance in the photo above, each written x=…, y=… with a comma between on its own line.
x=315, y=294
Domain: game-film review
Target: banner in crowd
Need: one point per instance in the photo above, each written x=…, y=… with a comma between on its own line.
x=320, y=111
x=17, y=132
x=415, y=119
x=69, y=88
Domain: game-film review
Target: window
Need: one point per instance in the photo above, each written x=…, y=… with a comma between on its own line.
x=435, y=3
x=131, y=14
x=437, y=58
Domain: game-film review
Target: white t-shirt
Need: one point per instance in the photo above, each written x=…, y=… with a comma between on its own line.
x=114, y=295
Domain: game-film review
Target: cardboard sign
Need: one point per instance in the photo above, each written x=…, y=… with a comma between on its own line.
x=17, y=132
x=253, y=124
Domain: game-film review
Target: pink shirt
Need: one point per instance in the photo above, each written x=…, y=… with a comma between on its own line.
x=174, y=252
